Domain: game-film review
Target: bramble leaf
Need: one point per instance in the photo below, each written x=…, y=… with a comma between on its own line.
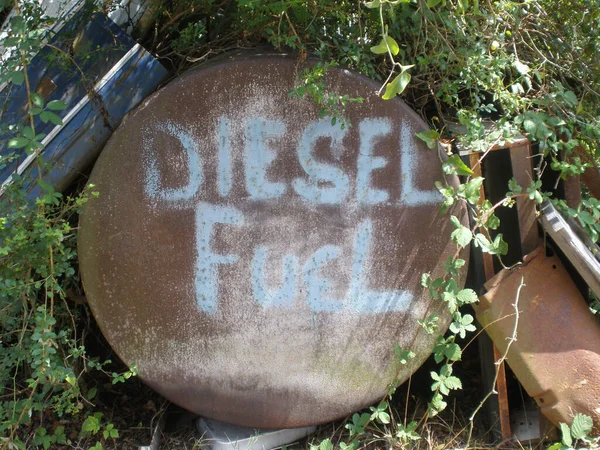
x=396, y=86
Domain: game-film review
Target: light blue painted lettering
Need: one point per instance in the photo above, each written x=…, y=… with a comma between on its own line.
x=207, y=283
x=152, y=185
x=224, y=170
x=258, y=157
x=412, y=195
x=318, y=287
x=361, y=298
x=284, y=296
x=370, y=130
x=318, y=173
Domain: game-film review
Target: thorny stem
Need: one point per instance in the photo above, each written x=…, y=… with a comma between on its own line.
x=498, y=363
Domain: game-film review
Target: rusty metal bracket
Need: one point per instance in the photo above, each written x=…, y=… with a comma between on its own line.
x=556, y=354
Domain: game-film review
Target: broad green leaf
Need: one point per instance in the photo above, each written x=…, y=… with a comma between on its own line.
x=570, y=98
x=463, y=5
x=28, y=133
x=382, y=47
x=54, y=118
x=453, y=383
x=566, y=435
x=523, y=69
x=326, y=445
x=514, y=187
x=472, y=190
x=56, y=105
x=462, y=236
x=45, y=186
x=499, y=245
x=453, y=352
x=18, y=142
x=581, y=426
x=37, y=99
x=430, y=137
x=17, y=78
x=92, y=393
x=467, y=296
x=396, y=86
x=71, y=379
x=433, y=3
x=456, y=165
x=18, y=25
x=373, y=4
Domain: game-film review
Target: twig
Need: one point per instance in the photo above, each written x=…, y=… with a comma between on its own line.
x=500, y=361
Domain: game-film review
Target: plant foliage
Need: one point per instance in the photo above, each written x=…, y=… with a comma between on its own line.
x=481, y=73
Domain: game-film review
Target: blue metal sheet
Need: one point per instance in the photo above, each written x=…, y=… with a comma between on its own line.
x=118, y=73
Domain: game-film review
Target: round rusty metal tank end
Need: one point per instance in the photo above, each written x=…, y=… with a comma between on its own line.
x=256, y=262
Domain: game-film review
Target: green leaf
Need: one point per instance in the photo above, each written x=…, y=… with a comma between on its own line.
x=570, y=98
x=28, y=133
x=326, y=445
x=92, y=393
x=433, y=3
x=499, y=245
x=581, y=426
x=383, y=417
x=396, y=86
x=17, y=78
x=437, y=403
x=430, y=137
x=386, y=42
x=514, y=187
x=54, y=118
x=456, y=165
x=373, y=4
x=462, y=236
x=37, y=99
x=18, y=25
x=467, y=296
x=523, y=69
x=556, y=446
x=91, y=425
x=472, y=190
x=453, y=352
x=453, y=383
x=18, y=142
x=70, y=378
x=45, y=186
x=566, y=435
x=56, y=105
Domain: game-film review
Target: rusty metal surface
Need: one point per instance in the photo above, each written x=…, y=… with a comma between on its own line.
x=556, y=356
x=257, y=263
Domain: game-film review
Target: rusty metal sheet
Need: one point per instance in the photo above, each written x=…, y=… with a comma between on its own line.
x=556, y=355
x=257, y=263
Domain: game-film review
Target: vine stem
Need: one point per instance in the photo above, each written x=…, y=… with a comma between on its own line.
x=512, y=339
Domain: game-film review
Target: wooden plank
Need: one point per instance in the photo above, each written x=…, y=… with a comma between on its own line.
x=502, y=397
x=488, y=259
x=520, y=161
x=517, y=142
